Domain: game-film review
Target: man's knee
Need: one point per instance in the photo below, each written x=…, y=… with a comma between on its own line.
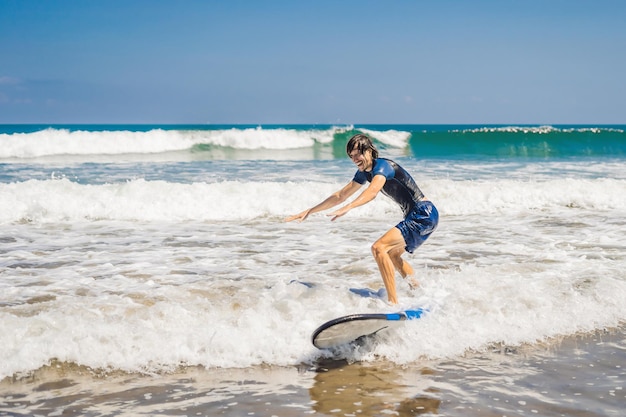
x=377, y=249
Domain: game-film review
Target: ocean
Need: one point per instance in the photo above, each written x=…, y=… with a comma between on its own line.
x=147, y=269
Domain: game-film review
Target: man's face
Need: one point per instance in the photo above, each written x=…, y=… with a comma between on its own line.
x=363, y=161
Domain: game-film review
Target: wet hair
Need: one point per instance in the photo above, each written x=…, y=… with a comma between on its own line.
x=361, y=143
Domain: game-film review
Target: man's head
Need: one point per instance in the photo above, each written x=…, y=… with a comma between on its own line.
x=362, y=151
x=361, y=143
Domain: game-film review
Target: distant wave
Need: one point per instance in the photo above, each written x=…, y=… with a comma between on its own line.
x=62, y=141
x=309, y=142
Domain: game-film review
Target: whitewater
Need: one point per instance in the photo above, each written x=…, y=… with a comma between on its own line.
x=114, y=258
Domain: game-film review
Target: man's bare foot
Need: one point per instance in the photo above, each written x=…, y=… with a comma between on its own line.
x=412, y=281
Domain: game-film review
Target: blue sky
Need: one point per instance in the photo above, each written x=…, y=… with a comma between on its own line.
x=340, y=61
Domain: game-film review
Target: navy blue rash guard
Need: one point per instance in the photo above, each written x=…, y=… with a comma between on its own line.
x=400, y=186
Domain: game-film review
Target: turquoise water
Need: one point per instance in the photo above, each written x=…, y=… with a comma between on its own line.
x=421, y=141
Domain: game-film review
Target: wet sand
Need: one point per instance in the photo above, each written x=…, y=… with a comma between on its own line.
x=579, y=376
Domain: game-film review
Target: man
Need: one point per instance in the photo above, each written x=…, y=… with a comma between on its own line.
x=420, y=215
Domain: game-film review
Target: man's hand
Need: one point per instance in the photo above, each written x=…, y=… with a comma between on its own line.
x=300, y=217
x=338, y=213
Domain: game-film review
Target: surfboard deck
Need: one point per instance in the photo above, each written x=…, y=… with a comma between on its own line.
x=348, y=329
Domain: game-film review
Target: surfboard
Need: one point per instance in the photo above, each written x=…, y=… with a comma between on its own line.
x=369, y=293
x=349, y=329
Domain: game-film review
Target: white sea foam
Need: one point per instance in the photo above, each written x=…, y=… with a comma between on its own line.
x=395, y=138
x=148, y=274
x=55, y=142
x=539, y=129
x=150, y=296
x=140, y=200
x=64, y=142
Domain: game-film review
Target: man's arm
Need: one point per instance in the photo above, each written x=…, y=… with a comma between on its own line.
x=332, y=200
x=366, y=196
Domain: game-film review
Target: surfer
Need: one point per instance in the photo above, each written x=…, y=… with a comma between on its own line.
x=420, y=215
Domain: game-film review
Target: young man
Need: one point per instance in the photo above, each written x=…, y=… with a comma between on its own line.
x=420, y=215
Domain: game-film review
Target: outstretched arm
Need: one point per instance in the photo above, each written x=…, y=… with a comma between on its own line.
x=332, y=200
x=366, y=196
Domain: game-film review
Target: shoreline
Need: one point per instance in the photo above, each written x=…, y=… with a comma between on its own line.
x=579, y=375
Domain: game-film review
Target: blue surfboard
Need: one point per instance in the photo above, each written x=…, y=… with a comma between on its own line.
x=348, y=329
x=369, y=293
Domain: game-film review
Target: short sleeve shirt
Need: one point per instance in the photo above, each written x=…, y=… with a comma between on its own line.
x=399, y=185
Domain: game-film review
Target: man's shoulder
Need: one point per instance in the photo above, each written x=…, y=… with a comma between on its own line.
x=360, y=177
x=384, y=167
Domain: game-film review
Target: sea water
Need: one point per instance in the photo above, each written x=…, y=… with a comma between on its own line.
x=145, y=249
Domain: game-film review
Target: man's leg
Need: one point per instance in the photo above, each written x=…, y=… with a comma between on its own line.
x=403, y=267
x=390, y=242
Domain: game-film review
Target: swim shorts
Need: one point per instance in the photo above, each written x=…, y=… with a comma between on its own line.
x=418, y=224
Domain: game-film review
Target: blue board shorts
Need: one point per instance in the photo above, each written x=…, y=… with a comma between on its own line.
x=418, y=225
